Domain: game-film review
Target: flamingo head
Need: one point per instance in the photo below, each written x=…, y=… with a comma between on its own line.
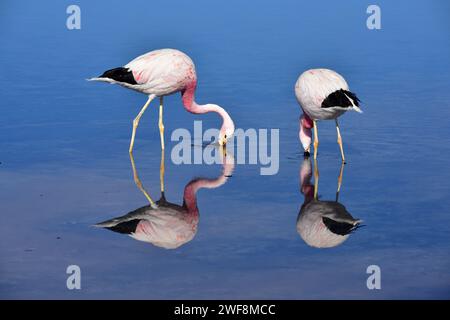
x=227, y=130
x=305, y=132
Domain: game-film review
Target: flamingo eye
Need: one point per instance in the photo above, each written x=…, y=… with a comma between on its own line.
x=225, y=136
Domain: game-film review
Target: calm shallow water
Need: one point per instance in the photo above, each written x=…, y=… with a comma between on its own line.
x=64, y=164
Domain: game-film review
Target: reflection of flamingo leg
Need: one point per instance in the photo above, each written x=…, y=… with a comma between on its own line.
x=341, y=174
x=139, y=183
x=316, y=179
x=161, y=172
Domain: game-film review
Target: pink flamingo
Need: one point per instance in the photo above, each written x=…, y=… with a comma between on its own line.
x=160, y=73
x=323, y=95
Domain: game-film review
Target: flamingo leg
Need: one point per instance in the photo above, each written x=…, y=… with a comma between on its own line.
x=161, y=172
x=339, y=141
x=316, y=139
x=316, y=180
x=138, y=183
x=161, y=124
x=137, y=119
x=341, y=174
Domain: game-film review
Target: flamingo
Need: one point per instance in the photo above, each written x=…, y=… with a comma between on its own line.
x=320, y=223
x=323, y=94
x=160, y=73
x=162, y=223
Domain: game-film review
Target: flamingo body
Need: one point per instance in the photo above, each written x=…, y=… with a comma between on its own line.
x=160, y=73
x=168, y=226
x=323, y=94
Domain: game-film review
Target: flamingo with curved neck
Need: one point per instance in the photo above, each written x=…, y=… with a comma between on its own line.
x=305, y=133
x=323, y=94
x=188, y=98
x=160, y=73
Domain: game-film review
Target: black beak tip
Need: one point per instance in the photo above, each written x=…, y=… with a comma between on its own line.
x=306, y=154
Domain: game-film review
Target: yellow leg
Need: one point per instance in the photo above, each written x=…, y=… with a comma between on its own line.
x=161, y=124
x=316, y=180
x=341, y=174
x=139, y=183
x=339, y=141
x=136, y=121
x=316, y=139
x=161, y=172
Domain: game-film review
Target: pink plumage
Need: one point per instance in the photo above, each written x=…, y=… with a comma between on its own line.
x=160, y=73
x=323, y=94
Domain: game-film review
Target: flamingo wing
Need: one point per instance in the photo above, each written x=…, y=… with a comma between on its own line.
x=341, y=98
x=162, y=72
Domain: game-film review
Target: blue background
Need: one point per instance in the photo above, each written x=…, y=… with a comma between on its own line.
x=64, y=163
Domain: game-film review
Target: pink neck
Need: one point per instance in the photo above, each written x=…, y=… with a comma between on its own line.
x=305, y=132
x=190, y=191
x=306, y=187
x=188, y=96
x=307, y=123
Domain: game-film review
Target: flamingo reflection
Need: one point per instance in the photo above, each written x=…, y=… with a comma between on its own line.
x=162, y=223
x=322, y=224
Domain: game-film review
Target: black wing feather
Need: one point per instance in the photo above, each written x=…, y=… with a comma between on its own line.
x=120, y=74
x=337, y=227
x=340, y=98
x=126, y=227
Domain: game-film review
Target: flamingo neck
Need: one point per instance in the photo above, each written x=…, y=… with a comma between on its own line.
x=305, y=132
x=188, y=98
x=307, y=121
x=306, y=187
x=190, y=191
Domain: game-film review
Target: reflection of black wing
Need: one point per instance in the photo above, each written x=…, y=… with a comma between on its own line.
x=339, y=227
x=125, y=224
x=341, y=98
x=126, y=227
x=341, y=221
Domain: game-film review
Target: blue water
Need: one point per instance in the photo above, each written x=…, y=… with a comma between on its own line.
x=64, y=162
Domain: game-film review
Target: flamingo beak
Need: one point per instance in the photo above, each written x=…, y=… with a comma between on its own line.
x=306, y=154
x=222, y=141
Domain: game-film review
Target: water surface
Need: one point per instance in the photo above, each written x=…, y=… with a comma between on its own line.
x=64, y=163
